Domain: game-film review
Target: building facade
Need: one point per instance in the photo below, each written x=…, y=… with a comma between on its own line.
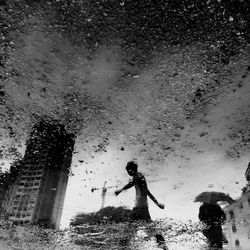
x=237, y=227
x=38, y=195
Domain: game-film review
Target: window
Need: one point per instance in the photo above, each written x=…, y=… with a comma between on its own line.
x=237, y=242
x=234, y=228
x=231, y=213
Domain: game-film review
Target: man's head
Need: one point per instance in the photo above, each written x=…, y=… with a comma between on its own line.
x=132, y=168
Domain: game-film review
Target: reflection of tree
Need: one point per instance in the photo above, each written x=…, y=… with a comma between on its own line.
x=107, y=214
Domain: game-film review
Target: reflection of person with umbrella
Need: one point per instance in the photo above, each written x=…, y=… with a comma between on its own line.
x=211, y=214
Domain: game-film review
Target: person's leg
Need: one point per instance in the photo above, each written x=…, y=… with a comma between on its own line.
x=154, y=230
x=140, y=213
x=161, y=241
x=214, y=236
x=130, y=228
x=127, y=233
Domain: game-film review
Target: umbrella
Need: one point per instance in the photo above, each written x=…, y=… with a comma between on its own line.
x=213, y=197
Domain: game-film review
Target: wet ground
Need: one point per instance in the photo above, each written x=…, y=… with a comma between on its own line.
x=109, y=236
x=127, y=81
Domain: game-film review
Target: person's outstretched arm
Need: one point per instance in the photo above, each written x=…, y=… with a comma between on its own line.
x=129, y=185
x=143, y=182
x=154, y=199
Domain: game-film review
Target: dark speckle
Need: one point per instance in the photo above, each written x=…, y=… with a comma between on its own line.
x=203, y=134
x=1, y=92
x=240, y=84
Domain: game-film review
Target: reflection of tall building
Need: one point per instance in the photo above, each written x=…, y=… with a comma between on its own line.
x=38, y=194
x=238, y=219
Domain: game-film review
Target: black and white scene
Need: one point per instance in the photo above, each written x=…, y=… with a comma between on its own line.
x=124, y=124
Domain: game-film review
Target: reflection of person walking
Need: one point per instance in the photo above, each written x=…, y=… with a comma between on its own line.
x=140, y=210
x=213, y=217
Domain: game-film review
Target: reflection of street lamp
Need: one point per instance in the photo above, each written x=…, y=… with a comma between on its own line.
x=94, y=189
x=104, y=191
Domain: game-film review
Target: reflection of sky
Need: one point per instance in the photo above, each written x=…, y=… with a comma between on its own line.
x=143, y=111
x=198, y=164
x=185, y=179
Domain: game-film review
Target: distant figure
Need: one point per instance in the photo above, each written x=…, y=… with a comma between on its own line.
x=213, y=217
x=140, y=210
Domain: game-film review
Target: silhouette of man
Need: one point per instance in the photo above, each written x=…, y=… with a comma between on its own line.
x=140, y=210
x=213, y=217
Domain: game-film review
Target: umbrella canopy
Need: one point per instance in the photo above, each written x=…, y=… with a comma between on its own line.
x=213, y=197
